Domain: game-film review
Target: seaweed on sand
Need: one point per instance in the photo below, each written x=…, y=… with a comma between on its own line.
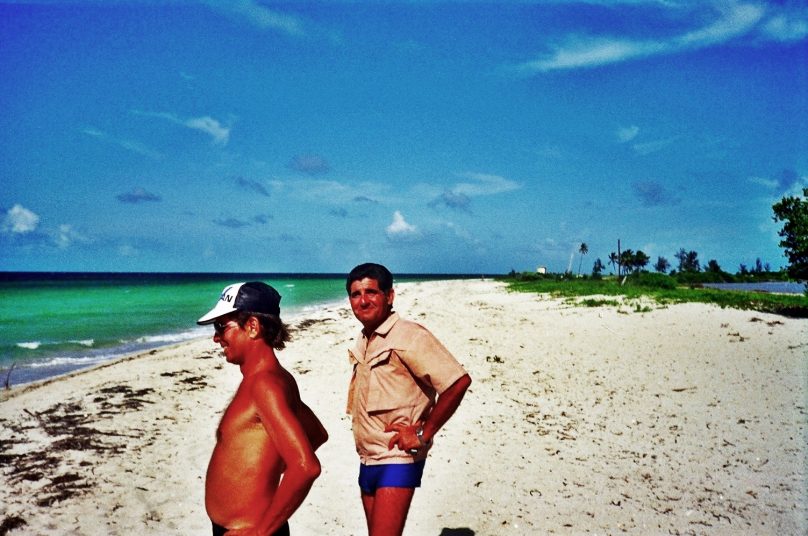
x=69, y=427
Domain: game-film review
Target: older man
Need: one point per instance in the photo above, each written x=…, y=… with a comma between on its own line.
x=405, y=386
x=263, y=464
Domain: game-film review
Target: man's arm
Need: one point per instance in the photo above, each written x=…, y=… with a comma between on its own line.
x=446, y=405
x=274, y=403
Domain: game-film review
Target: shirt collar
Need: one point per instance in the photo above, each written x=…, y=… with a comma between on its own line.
x=387, y=325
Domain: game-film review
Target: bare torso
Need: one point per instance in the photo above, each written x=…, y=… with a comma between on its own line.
x=245, y=467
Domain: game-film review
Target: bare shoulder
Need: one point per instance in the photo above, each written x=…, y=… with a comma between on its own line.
x=278, y=386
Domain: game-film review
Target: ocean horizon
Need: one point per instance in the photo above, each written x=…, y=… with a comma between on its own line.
x=53, y=323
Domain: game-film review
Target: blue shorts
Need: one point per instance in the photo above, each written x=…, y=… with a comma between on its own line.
x=390, y=475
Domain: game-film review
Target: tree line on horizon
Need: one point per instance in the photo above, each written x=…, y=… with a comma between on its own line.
x=627, y=262
x=791, y=211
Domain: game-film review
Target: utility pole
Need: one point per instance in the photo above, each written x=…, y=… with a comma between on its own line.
x=619, y=259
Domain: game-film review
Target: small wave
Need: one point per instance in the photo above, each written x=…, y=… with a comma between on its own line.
x=71, y=361
x=39, y=345
x=168, y=338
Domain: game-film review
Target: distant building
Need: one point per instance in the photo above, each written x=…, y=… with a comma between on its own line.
x=541, y=270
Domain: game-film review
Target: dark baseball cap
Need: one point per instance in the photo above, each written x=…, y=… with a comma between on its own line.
x=250, y=297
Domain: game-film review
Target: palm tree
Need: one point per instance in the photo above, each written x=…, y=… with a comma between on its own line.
x=583, y=250
x=614, y=260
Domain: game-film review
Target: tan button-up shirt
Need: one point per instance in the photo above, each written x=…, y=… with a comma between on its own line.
x=397, y=374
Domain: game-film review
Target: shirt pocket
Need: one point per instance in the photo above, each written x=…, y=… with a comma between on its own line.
x=389, y=383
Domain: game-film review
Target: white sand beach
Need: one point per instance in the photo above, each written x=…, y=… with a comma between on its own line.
x=685, y=419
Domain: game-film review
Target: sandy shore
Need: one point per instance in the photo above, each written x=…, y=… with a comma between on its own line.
x=687, y=419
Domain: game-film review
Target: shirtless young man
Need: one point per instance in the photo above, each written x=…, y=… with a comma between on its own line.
x=263, y=464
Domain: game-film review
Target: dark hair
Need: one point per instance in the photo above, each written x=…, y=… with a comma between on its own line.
x=373, y=271
x=276, y=333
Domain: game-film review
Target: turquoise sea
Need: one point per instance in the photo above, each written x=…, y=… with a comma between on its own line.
x=53, y=323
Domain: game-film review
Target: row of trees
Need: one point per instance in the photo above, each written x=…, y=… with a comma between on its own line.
x=629, y=261
x=791, y=211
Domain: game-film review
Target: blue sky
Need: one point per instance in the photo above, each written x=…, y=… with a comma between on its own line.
x=433, y=137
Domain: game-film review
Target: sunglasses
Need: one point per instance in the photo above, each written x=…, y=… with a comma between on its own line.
x=220, y=327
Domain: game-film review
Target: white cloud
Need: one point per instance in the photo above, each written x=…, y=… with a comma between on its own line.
x=626, y=134
x=787, y=183
x=260, y=15
x=579, y=52
x=400, y=228
x=736, y=20
x=129, y=145
x=732, y=20
x=127, y=251
x=20, y=220
x=654, y=146
x=781, y=28
x=763, y=181
x=66, y=235
x=330, y=192
x=206, y=124
x=484, y=184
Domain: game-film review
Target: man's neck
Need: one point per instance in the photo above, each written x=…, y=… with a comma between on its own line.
x=368, y=331
x=260, y=359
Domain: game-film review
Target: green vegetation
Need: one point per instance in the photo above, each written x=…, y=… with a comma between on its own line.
x=793, y=212
x=660, y=288
x=634, y=286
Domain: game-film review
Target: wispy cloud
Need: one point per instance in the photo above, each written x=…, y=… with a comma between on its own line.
x=784, y=28
x=484, y=184
x=129, y=145
x=459, y=195
x=137, y=195
x=66, y=235
x=787, y=182
x=331, y=192
x=206, y=124
x=260, y=16
x=648, y=147
x=731, y=20
x=626, y=134
x=735, y=19
x=584, y=51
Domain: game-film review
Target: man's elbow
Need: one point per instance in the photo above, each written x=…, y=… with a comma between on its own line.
x=310, y=469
